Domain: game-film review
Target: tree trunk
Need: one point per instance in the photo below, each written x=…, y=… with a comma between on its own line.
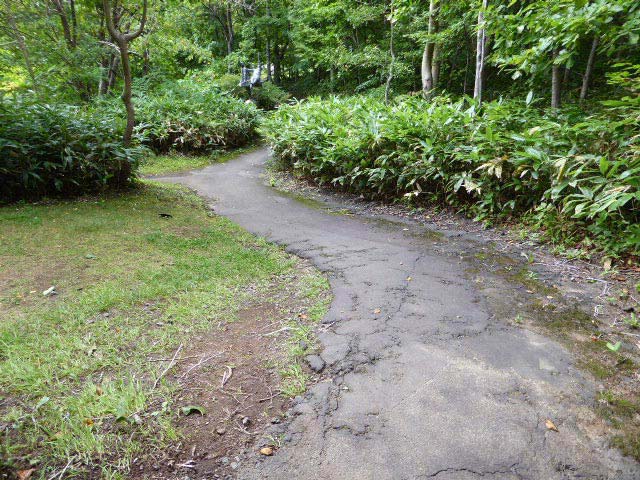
x=74, y=22
x=556, y=82
x=586, y=79
x=387, y=86
x=69, y=36
x=146, y=62
x=122, y=39
x=230, y=33
x=113, y=72
x=268, y=59
x=435, y=65
x=127, y=93
x=481, y=44
x=467, y=59
x=277, y=65
x=427, y=54
x=22, y=46
x=105, y=65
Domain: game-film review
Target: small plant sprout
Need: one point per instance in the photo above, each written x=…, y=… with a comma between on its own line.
x=614, y=347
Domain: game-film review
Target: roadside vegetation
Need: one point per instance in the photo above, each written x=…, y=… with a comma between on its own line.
x=573, y=174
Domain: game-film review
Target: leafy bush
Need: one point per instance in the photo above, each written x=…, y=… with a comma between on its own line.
x=50, y=150
x=508, y=159
x=268, y=96
x=192, y=116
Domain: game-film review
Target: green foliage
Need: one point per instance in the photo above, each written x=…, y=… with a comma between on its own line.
x=50, y=150
x=577, y=174
x=268, y=96
x=191, y=116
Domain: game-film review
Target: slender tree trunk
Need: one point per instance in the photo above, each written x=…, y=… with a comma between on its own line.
x=122, y=39
x=127, y=94
x=22, y=46
x=113, y=73
x=69, y=36
x=268, y=59
x=467, y=59
x=146, y=62
x=435, y=65
x=586, y=79
x=277, y=65
x=387, y=86
x=556, y=82
x=427, y=54
x=481, y=44
x=74, y=22
x=105, y=65
x=230, y=31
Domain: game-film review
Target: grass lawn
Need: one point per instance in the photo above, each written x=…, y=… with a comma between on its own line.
x=135, y=275
x=165, y=164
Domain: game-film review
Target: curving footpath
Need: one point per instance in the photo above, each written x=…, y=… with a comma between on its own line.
x=424, y=378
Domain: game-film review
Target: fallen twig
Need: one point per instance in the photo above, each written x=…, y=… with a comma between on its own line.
x=173, y=361
x=270, y=397
x=61, y=472
x=240, y=429
x=168, y=359
x=283, y=329
x=226, y=376
x=196, y=365
x=189, y=464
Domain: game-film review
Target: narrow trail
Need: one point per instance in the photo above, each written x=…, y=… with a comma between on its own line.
x=425, y=379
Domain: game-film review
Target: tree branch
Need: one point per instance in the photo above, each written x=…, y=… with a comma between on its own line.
x=143, y=21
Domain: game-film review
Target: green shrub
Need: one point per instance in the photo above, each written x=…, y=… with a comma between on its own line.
x=191, y=116
x=48, y=150
x=268, y=96
x=509, y=159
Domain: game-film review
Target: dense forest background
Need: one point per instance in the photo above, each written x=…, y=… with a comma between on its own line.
x=495, y=107
x=63, y=50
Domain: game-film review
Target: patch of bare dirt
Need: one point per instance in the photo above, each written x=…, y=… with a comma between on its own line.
x=228, y=392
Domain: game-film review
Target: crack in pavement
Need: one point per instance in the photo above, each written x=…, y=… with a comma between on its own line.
x=452, y=382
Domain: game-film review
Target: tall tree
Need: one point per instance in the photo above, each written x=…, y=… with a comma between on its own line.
x=392, y=53
x=18, y=37
x=481, y=45
x=427, y=54
x=556, y=80
x=122, y=39
x=588, y=72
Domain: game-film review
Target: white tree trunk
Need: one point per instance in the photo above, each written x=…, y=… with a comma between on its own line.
x=427, y=54
x=481, y=43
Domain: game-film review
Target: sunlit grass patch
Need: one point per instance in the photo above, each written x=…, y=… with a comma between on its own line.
x=176, y=163
x=136, y=275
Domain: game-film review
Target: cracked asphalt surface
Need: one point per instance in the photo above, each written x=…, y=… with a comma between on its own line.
x=424, y=378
